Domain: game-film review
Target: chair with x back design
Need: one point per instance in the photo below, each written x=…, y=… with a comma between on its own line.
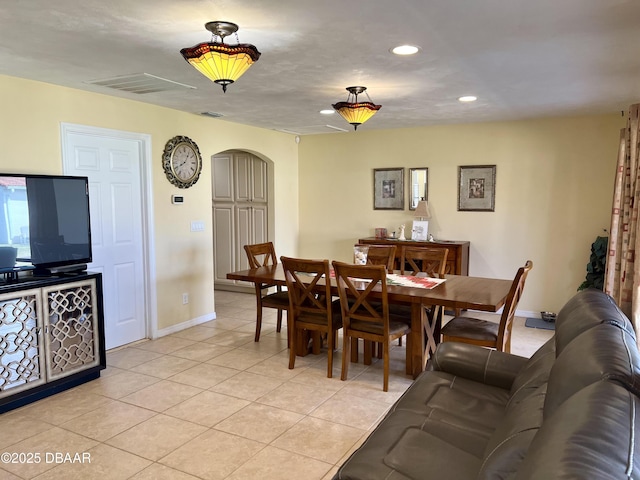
x=421, y=260
x=311, y=306
x=261, y=255
x=484, y=332
x=365, y=313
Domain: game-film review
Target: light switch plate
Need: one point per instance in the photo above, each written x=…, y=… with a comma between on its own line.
x=197, y=226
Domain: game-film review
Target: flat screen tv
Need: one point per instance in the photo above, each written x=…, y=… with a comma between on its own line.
x=46, y=218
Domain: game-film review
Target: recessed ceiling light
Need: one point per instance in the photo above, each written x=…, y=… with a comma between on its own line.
x=405, y=50
x=467, y=98
x=327, y=112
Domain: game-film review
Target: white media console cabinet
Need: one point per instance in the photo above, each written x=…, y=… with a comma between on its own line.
x=51, y=335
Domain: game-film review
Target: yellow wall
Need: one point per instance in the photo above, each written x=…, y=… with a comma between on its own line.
x=553, y=194
x=30, y=119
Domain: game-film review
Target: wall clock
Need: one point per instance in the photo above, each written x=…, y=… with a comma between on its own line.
x=181, y=161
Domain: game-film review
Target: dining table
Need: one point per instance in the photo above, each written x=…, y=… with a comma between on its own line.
x=456, y=292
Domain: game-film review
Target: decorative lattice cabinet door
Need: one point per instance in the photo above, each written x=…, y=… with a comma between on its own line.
x=22, y=352
x=70, y=313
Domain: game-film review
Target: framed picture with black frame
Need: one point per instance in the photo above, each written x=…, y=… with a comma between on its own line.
x=388, y=188
x=477, y=188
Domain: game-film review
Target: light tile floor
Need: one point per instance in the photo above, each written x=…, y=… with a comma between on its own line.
x=209, y=403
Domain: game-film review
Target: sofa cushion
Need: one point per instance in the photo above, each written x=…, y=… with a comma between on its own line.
x=408, y=457
x=441, y=394
x=509, y=443
x=534, y=374
x=585, y=310
x=602, y=352
x=477, y=363
x=382, y=455
x=590, y=436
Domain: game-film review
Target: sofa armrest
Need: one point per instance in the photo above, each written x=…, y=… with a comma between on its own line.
x=477, y=363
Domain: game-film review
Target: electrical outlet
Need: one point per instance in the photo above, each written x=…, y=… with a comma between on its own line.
x=185, y=298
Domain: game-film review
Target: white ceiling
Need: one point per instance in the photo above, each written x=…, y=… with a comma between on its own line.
x=522, y=58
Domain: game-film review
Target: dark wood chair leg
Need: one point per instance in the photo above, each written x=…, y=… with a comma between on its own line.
x=346, y=347
x=368, y=347
x=354, y=350
x=385, y=383
x=330, y=347
x=293, y=342
x=258, y=312
x=258, y=322
x=316, y=342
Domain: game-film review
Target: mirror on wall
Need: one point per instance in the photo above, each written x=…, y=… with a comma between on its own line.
x=418, y=186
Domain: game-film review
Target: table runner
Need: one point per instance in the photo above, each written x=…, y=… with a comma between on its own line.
x=397, y=279
x=413, y=281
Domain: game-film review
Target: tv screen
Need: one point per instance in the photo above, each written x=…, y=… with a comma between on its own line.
x=46, y=218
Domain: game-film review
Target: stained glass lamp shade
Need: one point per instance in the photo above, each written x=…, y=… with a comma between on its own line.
x=354, y=112
x=221, y=63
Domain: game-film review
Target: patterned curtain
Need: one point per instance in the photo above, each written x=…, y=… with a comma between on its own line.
x=622, y=280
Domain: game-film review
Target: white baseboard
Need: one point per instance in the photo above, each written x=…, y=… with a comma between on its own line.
x=519, y=313
x=184, y=325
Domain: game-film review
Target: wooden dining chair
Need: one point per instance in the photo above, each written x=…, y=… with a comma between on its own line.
x=376, y=255
x=311, y=306
x=366, y=315
x=432, y=261
x=486, y=333
x=260, y=255
x=382, y=255
x=421, y=260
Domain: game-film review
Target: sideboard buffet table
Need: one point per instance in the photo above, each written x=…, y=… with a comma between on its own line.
x=457, y=258
x=51, y=335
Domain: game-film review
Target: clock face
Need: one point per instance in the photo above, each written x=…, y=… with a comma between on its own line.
x=181, y=161
x=184, y=162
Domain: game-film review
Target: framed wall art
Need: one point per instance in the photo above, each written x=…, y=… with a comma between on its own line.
x=388, y=188
x=476, y=188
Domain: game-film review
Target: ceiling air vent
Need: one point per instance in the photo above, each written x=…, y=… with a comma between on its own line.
x=310, y=129
x=141, y=83
x=336, y=128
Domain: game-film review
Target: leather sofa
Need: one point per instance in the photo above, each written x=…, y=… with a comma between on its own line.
x=571, y=411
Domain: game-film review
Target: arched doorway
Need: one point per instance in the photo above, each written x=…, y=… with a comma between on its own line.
x=242, y=204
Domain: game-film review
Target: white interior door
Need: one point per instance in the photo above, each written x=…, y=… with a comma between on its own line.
x=114, y=168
